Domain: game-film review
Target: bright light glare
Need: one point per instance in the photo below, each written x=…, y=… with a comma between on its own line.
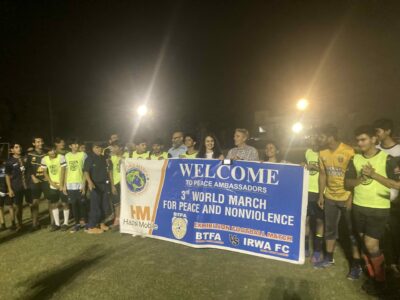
x=142, y=110
x=297, y=127
x=302, y=104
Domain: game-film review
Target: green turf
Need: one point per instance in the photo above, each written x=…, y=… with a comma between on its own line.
x=61, y=265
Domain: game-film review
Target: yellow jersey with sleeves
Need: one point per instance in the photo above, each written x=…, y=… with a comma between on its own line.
x=335, y=163
x=116, y=167
x=54, y=166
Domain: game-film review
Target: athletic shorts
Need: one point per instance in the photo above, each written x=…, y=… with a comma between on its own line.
x=39, y=188
x=19, y=197
x=313, y=210
x=55, y=195
x=370, y=221
x=116, y=198
x=334, y=210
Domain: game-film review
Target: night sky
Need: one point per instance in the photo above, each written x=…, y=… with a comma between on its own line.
x=86, y=65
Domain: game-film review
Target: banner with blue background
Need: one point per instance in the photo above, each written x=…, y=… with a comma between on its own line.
x=248, y=207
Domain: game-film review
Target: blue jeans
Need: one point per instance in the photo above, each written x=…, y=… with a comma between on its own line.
x=99, y=204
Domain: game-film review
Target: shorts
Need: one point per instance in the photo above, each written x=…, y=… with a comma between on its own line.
x=19, y=197
x=116, y=198
x=39, y=188
x=55, y=195
x=370, y=221
x=313, y=210
x=334, y=210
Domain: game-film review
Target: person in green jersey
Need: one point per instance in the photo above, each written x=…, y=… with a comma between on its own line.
x=371, y=204
x=190, y=142
x=74, y=184
x=141, y=150
x=157, y=152
x=315, y=215
x=53, y=165
x=117, y=151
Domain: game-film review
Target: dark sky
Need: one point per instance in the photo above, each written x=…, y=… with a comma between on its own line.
x=223, y=60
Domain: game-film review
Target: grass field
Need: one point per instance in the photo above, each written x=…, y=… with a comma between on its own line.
x=61, y=265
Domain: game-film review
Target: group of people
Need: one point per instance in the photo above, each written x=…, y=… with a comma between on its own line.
x=359, y=186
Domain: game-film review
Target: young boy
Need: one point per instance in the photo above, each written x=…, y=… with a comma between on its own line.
x=117, y=151
x=17, y=185
x=157, y=152
x=141, y=150
x=53, y=165
x=38, y=185
x=74, y=183
x=315, y=215
x=190, y=143
x=96, y=171
x=371, y=204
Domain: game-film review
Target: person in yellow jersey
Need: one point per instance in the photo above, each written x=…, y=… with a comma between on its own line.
x=74, y=184
x=334, y=198
x=53, y=165
x=315, y=215
x=141, y=150
x=371, y=204
x=117, y=151
x=157, y=150
x=190, y=142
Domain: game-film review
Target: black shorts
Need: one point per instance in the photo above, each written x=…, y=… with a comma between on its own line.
x=116, y=198
x=19, y=197
x=370, y=221
x=313, y=210
x=39, y=188
x=334, y=210
x=56, y=195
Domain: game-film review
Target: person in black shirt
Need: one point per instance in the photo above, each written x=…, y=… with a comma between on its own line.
x=17, y=185
x=96, y=169
x=38, y=184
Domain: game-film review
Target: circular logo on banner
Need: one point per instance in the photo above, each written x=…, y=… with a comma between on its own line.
x=179, y=227
x=136, y=180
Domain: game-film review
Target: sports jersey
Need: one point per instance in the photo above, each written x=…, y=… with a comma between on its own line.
x=392, y=151
x=186, y=155
x=54, y=166
x=312, y=158
x=16, y=169
x=135, y=155
x=74, y=169
x=116, y=167
x=35, y=164
x=370, y=193
x=335, y=165
x=162, y=155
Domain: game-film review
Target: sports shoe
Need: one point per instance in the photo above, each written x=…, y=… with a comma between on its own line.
x=104, y=227
x=3, y=227
x=374, y=288
x=355, y=273
x=54, y=228
x=317, y=257
x=94, y=230
x=35, y=228
x=325, y=263
x=75, y=228
x=64, y=227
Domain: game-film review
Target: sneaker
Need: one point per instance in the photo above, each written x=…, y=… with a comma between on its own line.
x=374, y=288
x=355, y=273
x=94, y=231
x=325, y=263
x=35, y=228
x=64, y=227
x=3, y=227
x=54, y=228
x=317, y=257
x=395, y=270
x=75, y=228
x=104, y=227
